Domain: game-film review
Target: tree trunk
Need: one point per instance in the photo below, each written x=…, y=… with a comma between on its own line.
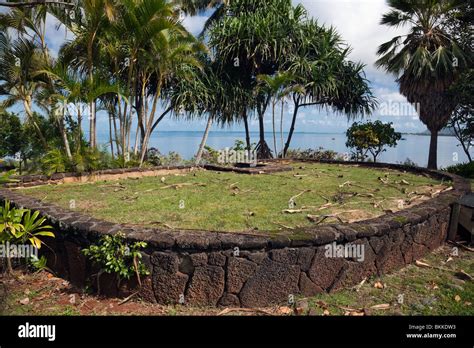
x=111, y=140
x=204, y=140
x=62, y=130
x=92, y=125
x=432, y=158
x=79, y=129
x=274, y=131
x=247, y=131
x=114, y=121
x=148, y=129
x=29, y=113
x=292, y=129
x=281, y=126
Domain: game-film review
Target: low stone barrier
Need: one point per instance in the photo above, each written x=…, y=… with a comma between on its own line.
x=235, y=269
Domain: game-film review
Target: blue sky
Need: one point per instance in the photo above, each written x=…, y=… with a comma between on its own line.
x=358, y=23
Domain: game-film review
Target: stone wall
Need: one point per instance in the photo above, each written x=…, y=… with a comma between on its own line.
x=232, y=269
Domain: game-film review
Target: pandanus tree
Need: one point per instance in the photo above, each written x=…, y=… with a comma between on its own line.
x=250, y=40
x=427, y=61
x=323, y=76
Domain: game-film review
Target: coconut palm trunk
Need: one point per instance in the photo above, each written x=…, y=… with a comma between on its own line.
x=292, y=129
x=281, y=127
x=111, y=140
x=62, y=130
x=204, y=140
x=274, y=130
x=31, y=117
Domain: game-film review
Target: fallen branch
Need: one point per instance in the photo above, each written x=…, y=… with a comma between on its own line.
x=229, y=310
x=461, y=246
x=317, y=219
x=299, y=194
x=293, y=211
x=177, y=186
x=425, y=265
x=127, y=298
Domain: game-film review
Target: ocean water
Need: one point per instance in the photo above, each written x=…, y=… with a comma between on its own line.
x=414, y=147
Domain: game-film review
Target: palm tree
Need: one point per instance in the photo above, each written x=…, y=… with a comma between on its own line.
x=426, y=61
x=19, y=61
x=69, y=88
x=174, y=51
x=276, y=87
x=87, y=22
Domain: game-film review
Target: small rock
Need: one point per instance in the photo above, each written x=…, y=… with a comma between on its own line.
x=25, y=301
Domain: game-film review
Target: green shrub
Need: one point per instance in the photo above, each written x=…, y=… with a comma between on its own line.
x=7, y=177
x=463, y=169
x=371, y=137
x=55, y=161
x=115, y=256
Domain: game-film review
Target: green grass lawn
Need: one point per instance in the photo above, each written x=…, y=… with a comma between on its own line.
x=239, y=202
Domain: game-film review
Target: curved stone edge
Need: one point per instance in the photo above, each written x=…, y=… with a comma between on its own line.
x=229, y=269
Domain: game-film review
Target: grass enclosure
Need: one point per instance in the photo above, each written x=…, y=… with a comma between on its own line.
x=310, y=194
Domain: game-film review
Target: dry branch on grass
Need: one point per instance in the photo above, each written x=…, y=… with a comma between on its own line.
x=461, y=245
x=292, y=199
x=184, y=184
x=251, y=310
x=317, y=219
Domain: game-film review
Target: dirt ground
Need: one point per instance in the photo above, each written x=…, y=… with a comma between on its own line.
x=440, y=284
